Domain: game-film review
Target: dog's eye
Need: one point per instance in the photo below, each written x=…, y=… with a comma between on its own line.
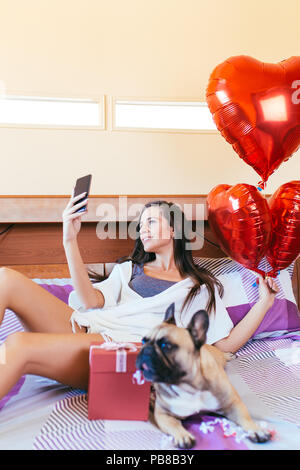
x=166, y=346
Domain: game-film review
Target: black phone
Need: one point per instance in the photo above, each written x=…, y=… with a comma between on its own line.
x=82, y=186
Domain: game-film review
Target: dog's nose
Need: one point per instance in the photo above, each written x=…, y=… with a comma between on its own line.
x=144, y=356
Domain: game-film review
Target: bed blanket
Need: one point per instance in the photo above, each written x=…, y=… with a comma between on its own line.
x=39, y=413
x=263, y=375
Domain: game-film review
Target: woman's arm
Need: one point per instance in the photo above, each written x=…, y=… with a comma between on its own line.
x=244, y=330
x=87, y=295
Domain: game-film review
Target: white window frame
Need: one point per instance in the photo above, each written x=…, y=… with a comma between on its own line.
x=100, y=100
x=169, y=101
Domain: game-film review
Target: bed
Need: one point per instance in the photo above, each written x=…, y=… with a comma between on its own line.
x=42, y=414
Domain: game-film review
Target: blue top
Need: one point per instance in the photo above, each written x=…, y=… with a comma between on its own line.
x=147, y=286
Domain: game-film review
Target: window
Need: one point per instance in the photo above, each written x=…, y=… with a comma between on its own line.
x=162, y=115
x=51, y=112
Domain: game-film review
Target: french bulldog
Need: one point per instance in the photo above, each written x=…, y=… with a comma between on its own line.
x=189, y=377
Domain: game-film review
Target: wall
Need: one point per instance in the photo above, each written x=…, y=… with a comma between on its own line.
x=160, y=49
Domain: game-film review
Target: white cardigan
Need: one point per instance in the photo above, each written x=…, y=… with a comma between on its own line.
x=127, y=316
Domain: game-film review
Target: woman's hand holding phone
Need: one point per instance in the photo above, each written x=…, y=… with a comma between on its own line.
x=71, y=218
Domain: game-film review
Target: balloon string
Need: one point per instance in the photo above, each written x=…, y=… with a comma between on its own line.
x=271, y=273
x=262, y=188
x=274, y=272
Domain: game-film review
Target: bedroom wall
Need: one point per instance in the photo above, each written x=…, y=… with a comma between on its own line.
x=161, y=49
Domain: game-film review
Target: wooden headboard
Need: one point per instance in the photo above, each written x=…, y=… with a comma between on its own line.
x=36, y=250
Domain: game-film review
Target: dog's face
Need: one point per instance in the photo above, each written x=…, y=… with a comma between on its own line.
x=170, y=354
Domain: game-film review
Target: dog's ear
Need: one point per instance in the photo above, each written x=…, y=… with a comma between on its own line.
x=198, y=327
x=169, y=315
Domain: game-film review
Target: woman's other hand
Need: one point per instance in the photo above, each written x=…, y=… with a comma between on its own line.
x=72, y=219
x=267, y=290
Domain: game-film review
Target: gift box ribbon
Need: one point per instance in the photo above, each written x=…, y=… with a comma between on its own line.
x=121, y=353
x=121, y=358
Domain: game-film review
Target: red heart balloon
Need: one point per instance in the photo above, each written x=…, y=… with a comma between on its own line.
x=284, y=244
x=241, y=220
x=256, y=107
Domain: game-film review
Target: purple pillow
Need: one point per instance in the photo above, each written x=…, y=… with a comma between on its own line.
x=61, y=292
x=282, y=317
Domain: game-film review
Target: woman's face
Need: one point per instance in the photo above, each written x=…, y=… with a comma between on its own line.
x=155, y=231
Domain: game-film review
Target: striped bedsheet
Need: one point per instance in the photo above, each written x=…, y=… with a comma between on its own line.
x=261, y=372
x=42, y=414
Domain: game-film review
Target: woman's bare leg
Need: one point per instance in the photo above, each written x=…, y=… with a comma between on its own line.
x=50, y=349
x=61, y=357
x=38, y=309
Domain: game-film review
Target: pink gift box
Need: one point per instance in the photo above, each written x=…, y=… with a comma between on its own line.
x=115, y=391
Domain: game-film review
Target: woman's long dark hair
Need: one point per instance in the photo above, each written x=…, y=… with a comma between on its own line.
x=182, y=256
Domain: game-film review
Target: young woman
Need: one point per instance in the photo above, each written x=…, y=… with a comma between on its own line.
x=124, y=306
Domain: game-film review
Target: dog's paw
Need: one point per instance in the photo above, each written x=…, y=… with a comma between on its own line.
x=260, y=436
x=184, y=440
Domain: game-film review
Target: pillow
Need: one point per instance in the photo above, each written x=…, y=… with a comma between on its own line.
x=241, y=293
x=61, y=288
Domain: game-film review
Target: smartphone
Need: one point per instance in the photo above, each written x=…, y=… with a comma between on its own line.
x=82, y=186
